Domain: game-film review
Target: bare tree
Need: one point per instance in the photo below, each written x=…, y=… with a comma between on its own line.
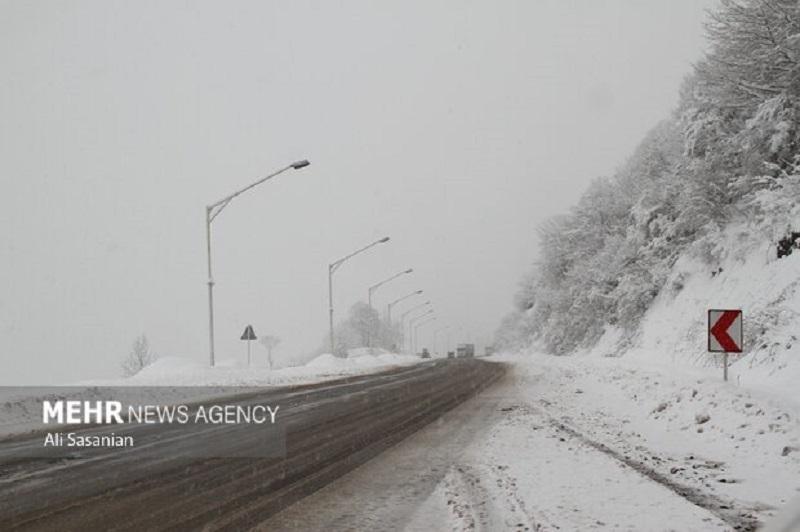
x=270, y=343
x=139, y=357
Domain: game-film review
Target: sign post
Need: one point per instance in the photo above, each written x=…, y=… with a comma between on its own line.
x=725, y=334
x=248, y=335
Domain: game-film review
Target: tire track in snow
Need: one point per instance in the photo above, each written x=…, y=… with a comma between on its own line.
x=473, y=503
x=742, y=519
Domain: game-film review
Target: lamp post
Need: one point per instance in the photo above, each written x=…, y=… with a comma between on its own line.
x=389, y=312
x=416, y=331
x=436, y=336
x=411, y=323
x=374, y=288
x=412, y=309
x=395, y=302
x=212, y=211
x=332, y=267
x=403, y=319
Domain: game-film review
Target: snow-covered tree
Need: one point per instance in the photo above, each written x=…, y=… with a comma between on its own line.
x=363, y=326
x=139, y=357
x=270, y=343
x=731, y=149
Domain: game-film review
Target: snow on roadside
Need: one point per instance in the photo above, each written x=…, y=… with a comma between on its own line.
x=584, y=443
x=172, y=371
x=745, y=275
x=172, y=380
x=688, y=425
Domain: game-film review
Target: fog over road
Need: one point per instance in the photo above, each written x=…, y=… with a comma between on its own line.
x=331, y=428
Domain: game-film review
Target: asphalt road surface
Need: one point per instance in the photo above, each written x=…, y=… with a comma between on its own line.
x=331, y=428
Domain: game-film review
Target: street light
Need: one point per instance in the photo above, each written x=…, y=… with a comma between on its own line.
x=332, y=267
x=436, y=336
x=412, y=309
x=414, y=344
x=374, y=288
x=395, y=302
x=212, y=211
x=403, y=319
x=411, y=326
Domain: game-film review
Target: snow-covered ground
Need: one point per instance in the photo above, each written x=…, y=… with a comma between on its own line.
x=745, y=275
x=582, y=443
x=171, y=380
x=175, y=371
x=570, y=443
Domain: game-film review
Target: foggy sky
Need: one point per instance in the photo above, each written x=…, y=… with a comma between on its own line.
x=453, y=127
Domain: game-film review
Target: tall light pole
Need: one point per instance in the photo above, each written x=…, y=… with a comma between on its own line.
x=412, y=309
x=411, y=323
x=395, y=302
x=436, y=336
x=416, y=330
x=406, y=313
x=212, y=211
x=332, y=267
x=372, y=290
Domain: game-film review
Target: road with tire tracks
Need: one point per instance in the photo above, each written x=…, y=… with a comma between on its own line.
x=164, y=481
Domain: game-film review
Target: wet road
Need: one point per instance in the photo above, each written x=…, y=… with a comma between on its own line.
x=331, y=428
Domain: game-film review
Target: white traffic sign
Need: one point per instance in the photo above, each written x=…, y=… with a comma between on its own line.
x=248, y=335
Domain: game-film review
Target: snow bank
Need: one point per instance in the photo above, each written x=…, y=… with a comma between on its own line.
x=175, y=379
x=175, y=371
x=681, y=422
x=361, y=358
x=325, y=360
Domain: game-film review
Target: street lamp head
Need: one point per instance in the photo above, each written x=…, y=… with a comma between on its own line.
x=384, y=239
x=300, y=164
x=409, y=270
x=419, y=292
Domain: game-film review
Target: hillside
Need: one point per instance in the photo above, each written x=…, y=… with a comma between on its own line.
x=704, y=214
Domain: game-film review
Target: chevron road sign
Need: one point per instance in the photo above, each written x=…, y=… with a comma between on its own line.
x=725, y=333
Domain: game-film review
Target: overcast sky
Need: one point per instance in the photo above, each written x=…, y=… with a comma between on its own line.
x=453, y=127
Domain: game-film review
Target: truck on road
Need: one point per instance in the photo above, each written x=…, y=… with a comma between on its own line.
x=465, y=351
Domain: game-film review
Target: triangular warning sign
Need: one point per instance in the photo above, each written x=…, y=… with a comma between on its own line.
x=248, y=333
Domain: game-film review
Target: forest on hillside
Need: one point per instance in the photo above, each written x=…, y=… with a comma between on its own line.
x=728, y=153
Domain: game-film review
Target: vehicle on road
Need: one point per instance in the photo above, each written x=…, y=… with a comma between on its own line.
x=425, y=353
x=465, y=351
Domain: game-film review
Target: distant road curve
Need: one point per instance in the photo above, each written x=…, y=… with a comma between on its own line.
x=331, y=428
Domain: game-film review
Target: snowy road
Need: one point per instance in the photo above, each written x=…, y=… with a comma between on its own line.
x=556, y=446
x=556, y=443
x=331, y=428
